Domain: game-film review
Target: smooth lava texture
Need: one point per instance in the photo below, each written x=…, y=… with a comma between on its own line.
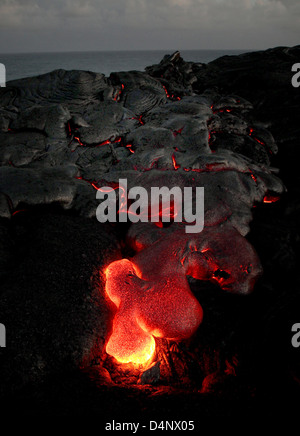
x=147, y=309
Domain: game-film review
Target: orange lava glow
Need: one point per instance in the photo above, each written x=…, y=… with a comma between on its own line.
x=175, y=164
x=140, y=355
x=271, y=199
x=162, y=307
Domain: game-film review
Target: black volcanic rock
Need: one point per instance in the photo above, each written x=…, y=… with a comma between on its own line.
x=264, y=78
x=52, y=301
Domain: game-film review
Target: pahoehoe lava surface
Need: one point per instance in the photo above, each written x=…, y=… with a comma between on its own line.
x=230, y=126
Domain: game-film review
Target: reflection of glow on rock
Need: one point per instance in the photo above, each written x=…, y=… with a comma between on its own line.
x=164, y=308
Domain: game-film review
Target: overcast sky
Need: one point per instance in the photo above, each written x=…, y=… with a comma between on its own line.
x=53, y=25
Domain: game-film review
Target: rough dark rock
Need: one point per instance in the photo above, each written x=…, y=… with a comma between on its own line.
x=52, y=302
x=151, y=375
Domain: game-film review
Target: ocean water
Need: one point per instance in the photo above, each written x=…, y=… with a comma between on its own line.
x=32, y=64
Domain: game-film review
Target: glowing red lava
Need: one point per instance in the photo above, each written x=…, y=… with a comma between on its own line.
x=147, y=309
x=168, y=95
x=271, y=199
x=175, y=164
x=118, y=95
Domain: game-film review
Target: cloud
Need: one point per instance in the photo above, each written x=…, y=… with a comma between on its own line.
x=113, y=24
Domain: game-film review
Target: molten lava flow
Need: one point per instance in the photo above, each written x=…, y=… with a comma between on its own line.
x=162, y=307
x=253, y=177
x=139, y=118
x=118, y=95
x=271, y=198
x=153, y=298
x=166, y=91
x=259, y=141
x=79, y=141
x=168, y=95
x=129, y=146
x=175, y=164
x=177, y=132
